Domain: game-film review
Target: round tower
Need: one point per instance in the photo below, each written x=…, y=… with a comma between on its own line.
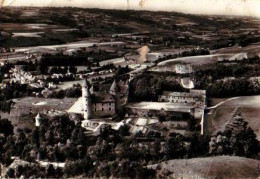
x=86, y=97
x=37, y=120
x=114, y=91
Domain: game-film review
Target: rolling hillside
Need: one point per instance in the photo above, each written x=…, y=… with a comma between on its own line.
x=213, y=167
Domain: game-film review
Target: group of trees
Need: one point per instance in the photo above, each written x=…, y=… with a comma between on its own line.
x=63, y=60
x=225, y=80
x=241, y=69
x=73, y=92
x=114, y=153
x=6, y=127
x=28, y=66
x=34, y=170
x=237, y=139
x=58, y=140
x=13, y=90
x=64, y=70
x=5, y=106
x=233, y=87
x=60, y=78
x=148, y=87
x=65, y=19
x=78, y=58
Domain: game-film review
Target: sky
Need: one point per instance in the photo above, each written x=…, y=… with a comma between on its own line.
x=214, y=7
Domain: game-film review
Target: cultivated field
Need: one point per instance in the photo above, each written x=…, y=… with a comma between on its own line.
x=193, y=60
x=26, y=34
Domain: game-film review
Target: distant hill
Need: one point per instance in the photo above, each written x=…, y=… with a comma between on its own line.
x=211, y=167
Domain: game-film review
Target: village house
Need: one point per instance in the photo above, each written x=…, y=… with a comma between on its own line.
x=195, y=99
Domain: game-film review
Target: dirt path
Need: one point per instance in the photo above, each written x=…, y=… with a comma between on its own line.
x=219, y=104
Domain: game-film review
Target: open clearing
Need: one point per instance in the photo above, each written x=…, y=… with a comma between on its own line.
x=30, y=106
x=72, y=45
x=253, y=48
x=193, y=60
x=69, y=84
x=23, y=27
x=248, y=105
x=212, y=167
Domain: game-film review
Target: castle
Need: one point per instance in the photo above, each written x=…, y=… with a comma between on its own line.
x=99, y=104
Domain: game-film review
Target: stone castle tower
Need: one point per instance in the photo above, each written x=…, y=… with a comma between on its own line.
x=38, y=120
x=114, y=91
x=86, y=97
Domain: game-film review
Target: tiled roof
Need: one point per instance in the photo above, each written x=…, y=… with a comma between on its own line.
x=102, y=98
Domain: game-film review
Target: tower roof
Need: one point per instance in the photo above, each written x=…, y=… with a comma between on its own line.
x=114, y=87
x=85, y=83
x=85, y=89
x=38, y=116
x=38, y=120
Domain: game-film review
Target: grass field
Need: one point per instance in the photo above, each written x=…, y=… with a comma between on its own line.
x=219, y=116
x=213, y=167
x=25, y=109
x=253, y=48
x=196, y=62
x=26, y=34
x=69, y=84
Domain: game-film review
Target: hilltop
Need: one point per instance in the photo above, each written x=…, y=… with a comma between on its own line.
x=211, y=167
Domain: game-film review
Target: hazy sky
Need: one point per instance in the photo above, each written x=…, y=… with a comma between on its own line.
x=219, y=7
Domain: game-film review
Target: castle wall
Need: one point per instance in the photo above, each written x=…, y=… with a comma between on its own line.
x=103, y=109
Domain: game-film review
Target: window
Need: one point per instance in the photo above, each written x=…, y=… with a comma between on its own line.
x=109, y=109
x=102, y=109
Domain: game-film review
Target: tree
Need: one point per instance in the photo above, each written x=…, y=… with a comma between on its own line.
x=6, y=127
x=73, y=69
x=174, y=148
x=42, y=67
x=157, y=147
x=161, y=117
x=35, y=137
x=237, y=139
x=10, y=173
x=198, y=145
x=51, y=171
x=124, y=130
